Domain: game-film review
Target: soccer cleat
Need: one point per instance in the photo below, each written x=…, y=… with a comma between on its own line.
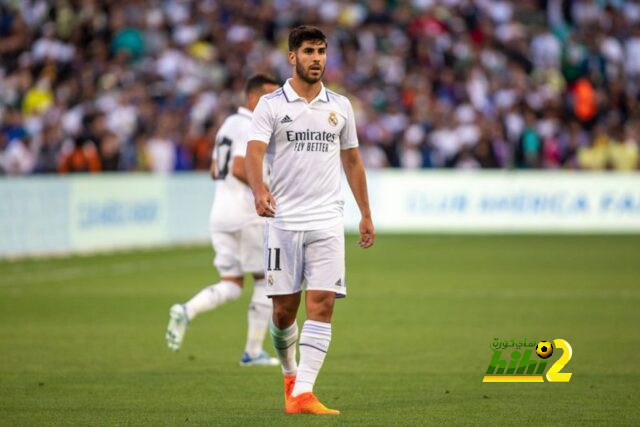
x=289, y=383
x=178, y=322
x=263, y=359
x=307, y=403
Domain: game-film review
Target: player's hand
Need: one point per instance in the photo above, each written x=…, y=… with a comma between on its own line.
x=367, y=233
x=265, y=204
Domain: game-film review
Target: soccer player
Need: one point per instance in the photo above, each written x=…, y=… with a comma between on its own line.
x=236, y=235
x=306, y=131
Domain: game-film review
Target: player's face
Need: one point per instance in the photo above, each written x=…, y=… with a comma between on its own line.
x=310, y=60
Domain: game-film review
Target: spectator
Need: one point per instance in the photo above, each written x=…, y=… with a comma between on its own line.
x=623, y=152
x=161, y=151
x=435, y=83
x=47, y=159
x=82, y=157
x=110, y=152
x=18, y=158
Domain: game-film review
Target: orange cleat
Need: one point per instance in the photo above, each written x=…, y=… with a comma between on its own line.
x=289, y=382
x=307, y=403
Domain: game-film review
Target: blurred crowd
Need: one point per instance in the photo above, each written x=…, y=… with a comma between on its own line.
x=143, y=85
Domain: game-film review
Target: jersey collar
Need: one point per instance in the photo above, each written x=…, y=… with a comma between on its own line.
x=245, y=112
x=291, y=95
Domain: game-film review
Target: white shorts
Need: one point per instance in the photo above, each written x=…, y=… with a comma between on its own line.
x=239, y=252
x=304, y=260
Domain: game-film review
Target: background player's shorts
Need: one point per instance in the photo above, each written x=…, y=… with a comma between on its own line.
x=311, y=260
x=239, y=252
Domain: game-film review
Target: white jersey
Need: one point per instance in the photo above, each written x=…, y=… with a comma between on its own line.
x=303, y=154
x=233, y=206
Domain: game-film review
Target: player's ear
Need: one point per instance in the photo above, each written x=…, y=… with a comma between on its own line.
x=251, y=98
x=292, y=58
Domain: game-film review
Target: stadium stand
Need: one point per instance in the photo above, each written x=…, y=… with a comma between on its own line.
x=142, y=85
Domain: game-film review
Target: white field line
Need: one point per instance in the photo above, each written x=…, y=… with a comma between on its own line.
x=515, y=294
x=27, y=276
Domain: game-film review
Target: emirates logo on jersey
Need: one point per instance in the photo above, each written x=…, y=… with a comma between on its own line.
x=333, y=119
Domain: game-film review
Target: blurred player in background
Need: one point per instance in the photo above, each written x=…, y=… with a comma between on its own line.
x=236, y=235
x=306, y=131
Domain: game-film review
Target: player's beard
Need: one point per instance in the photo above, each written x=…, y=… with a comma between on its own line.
x=306, y=74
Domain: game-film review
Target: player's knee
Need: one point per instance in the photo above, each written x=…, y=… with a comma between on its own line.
x=320, y=307
x=321, y=313
x=237, y=280
x=283, y=316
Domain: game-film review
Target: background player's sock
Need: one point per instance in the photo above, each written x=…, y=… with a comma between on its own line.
x=211, y=297
x=314, y=343
x=259, y=314
x=284, y=342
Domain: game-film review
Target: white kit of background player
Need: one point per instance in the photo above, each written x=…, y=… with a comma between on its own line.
x=236, y=235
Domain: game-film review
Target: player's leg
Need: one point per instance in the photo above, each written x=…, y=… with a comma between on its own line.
x=284, y=331
x=315, y=338
x=314, y=345
x=258, y=319
x=260, y=306
x=283, y=268
x=229, y=288
x=324, y=274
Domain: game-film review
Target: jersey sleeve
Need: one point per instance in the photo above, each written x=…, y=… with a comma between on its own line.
x=239, y=147
x=348, y=135
x=261, y=123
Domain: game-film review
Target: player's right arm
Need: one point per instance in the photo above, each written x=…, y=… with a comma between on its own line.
x=213, y=170
x=237, y=169
x=265, y=203
x=262, y=127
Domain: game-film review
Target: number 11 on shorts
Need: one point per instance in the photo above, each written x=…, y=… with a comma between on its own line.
x=276, y=252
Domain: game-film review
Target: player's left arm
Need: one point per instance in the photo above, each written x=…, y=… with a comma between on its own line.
x=354, y=170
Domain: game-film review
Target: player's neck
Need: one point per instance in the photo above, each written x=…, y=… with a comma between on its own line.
x=306, y=90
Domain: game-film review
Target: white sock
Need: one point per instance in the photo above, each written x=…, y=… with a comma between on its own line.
x=258, y=316
x=211, y=297
x=284, y=342
x=314, y=344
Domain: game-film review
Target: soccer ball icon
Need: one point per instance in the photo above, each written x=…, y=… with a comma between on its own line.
x=544, y=349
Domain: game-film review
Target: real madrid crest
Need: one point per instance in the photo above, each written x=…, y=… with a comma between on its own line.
x=270, y=279
x=333, y=119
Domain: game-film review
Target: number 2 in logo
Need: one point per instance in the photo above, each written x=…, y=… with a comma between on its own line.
x=554, y=374
x=276, y=259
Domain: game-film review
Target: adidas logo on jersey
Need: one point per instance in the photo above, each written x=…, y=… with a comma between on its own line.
x=339, y=282
x=286, y=119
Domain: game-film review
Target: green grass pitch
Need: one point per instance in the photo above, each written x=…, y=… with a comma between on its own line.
x=82, y=338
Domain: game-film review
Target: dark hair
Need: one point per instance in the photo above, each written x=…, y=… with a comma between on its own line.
x=256, y=82
x=305, y=33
